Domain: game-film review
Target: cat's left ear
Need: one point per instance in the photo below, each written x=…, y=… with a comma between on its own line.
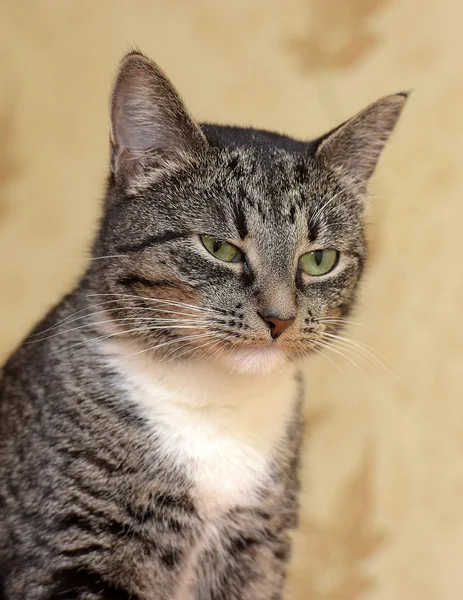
x=148, y=119
x=355, y=146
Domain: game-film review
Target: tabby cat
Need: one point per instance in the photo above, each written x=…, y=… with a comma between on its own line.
x=150, y=426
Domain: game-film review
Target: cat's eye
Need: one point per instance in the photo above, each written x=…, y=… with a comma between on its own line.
x=221, y=250
x=319, y=262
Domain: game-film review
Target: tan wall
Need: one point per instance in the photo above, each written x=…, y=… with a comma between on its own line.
x=382, y=506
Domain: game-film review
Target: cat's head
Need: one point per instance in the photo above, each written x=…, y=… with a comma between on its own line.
x=237, y=246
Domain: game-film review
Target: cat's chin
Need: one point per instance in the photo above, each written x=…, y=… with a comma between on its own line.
x=257, y=360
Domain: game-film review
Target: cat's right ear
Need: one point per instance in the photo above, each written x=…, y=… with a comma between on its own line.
x=149, y=122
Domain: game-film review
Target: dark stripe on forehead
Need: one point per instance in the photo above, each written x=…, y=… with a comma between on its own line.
x=167, y=236
x=240, y=221
x=301, y=172
x=244, y=197
x=233, y=165
x=313, y=230
x=292, y=213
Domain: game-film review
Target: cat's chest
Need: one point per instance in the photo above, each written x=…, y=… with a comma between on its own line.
x=223, y=431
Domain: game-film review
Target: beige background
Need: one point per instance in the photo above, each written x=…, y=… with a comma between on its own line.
x=382, y=505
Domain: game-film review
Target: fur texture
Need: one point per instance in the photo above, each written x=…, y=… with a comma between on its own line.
x=150, y=426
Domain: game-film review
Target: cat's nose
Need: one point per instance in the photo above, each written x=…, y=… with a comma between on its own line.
x=277, y=325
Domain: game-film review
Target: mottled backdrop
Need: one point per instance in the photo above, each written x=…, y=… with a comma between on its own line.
x=382, y=507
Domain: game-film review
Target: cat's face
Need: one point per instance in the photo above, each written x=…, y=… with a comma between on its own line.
x=233, y=246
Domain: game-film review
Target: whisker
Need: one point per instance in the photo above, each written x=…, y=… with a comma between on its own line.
x=174, y=351
x=343, y=351
x=220, y=350
x=177, y=324
x=367, y=352
x=370, y=353
x=61, y=321
x=362, y=346
x=344, y=321
x=233, y=368
x=108, y=256
x=150, y=299
x=325, y=205
x=91, y=342
x=208, y=358
x=67, y=319
x=326, y=355
x=162, y=301
x=176, y=356
x=182, y=339
x=331, y=224
x=359, y=353
x=370, y=197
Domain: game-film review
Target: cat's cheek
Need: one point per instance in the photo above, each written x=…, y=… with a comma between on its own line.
x=254, y=361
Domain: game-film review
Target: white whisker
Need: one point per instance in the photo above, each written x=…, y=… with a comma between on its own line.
x=91, y=342
x=370, y=352
x=342, y=351
x=108, y=256
x=324, y=206
x=182, y=339
x=162, y=301
x=67, y=319
x=176, y=356
x=343, y=321
x=328, y=358
x=210, y=356
x=166, y=324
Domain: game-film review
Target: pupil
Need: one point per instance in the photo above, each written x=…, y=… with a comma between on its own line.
x=217, y=245
x=318, y=256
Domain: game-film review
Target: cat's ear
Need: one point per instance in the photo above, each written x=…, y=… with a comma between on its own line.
x=148, y=118
x=355, y=146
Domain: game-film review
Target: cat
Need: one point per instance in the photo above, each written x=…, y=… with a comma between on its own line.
x=150, y=426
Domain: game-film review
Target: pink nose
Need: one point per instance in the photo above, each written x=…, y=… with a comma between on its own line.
x=276, y=325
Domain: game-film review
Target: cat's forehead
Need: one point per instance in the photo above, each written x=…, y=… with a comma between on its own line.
x=274, y=186
x=270, y=179
x=261, y=196
x=280, y=200
x=270, y=194
x=266, y=163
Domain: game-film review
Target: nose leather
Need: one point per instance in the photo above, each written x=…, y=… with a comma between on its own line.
x=276, y=325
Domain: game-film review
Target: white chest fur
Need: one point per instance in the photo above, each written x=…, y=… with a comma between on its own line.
x=223, y=428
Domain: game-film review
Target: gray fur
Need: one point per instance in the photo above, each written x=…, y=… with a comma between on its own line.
x=87, y=509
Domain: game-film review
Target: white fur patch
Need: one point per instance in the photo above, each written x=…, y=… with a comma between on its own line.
x=222, y=427
x=254, y=361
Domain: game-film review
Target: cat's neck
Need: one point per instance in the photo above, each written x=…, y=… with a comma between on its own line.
x=225, y=428
x=197, y=385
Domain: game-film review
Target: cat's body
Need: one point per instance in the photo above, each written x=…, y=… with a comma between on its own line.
x=94, y=488
x=150, y=429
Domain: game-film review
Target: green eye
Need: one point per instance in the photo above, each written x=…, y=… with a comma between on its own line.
x=319, y=262
x=221, y=250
